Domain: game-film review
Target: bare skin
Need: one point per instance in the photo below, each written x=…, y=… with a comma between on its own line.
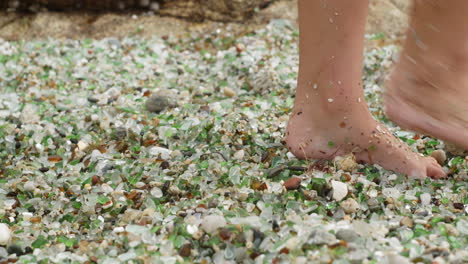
x=330, y=116
x=428, y=89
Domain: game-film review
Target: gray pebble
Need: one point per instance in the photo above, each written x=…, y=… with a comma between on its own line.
x=320, y=237
x=421, y=212
x=339, y=214
x=157, y=103
x=15, y=249
x=347, y=235
x=3, y=253
x=373, y=204
x=93, y=99
x=120, y=132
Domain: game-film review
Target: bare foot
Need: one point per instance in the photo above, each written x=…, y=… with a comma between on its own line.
x=427, y=99
x=313, y=133
x=428, y=89
x=330, y=116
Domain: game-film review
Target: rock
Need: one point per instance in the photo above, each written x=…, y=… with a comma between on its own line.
x=425, y=199
x=229, y=92
x=82, y=146
x=265, y=80
x=239, y=155
x=320, y=237
x=15, y=249
x=347, y=235
x=29, y=186
x=118, y=229
x=339, y=214
x=225, y=234
x=350, y=206
x=156, y=151
x=240, y=255
x=458, y=206
x=407, y=221
x=185, y=250
x=340, y=190
x=292, y=184
x=3, y=254
x=131, y=215
x=120, y=132
x=156, y=192
x=93, y=99
x=373, y=204
x=451, y=230
x=395, y=259
x=391, y=193
x=421, y=212
x=440, y=156
x=5, y=234
x=211, y=223
x=159, y=102
x=310, y=194
x=346, y=163
x=29, y=114
x=136, y=229
x=462, y=226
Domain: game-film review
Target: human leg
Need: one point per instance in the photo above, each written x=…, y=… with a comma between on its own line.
x=330, y=116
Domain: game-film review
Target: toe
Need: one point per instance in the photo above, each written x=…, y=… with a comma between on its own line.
x=435, y=171
x=417, y=172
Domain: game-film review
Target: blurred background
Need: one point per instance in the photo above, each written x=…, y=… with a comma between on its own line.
x=29, y=19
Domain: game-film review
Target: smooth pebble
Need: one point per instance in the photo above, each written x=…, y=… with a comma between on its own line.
x=211, y=223
x=5, y=234
x=340, y=190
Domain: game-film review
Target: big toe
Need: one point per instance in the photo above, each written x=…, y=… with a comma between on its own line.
x=434, y=170
x=427, y=167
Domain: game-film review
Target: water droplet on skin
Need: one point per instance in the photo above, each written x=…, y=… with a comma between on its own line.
x=315, y=86
x=421, y=45
x=359, y=99
x=307, y=96
x=330, y=20
x=345, y=117
x=431, y=26
x=412, y=60
x=339, y=82
x=330, y=100
x=336, y=13
x=444, y=66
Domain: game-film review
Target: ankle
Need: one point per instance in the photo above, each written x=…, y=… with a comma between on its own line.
x=328, y=101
